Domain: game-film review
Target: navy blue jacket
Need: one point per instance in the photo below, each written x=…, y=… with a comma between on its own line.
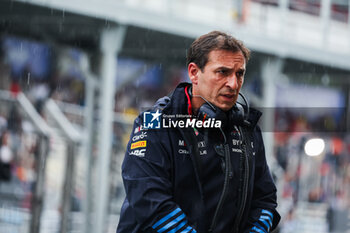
x=169, y=190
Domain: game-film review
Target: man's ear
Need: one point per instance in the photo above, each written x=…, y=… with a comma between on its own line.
x=193, y=71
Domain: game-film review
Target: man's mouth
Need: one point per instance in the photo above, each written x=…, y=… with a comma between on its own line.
x=228, y=96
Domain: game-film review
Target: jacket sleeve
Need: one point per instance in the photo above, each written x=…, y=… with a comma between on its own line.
x=263, y=216
x=146, y=173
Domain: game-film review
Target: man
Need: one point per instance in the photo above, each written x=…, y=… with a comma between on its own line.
x=202, y=168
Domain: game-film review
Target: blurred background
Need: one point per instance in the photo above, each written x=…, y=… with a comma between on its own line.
x=74, y=74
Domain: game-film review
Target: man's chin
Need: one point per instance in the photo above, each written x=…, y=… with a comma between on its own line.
x=225, y=108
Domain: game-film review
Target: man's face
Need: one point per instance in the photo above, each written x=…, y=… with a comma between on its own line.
x=221, y=78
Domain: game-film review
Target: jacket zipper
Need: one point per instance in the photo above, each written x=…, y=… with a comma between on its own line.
x=245, y=184
x=228, y=176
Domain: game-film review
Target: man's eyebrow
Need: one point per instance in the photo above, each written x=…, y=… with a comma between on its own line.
x=242, y=69
x=223, y=68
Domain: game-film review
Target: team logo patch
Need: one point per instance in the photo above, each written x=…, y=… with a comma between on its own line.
x=183, y=151
x=196, y=131
x=138, y=144
x=235, y=132
x=138, y=153
x=236, y=142
x=151, y=120
x=182, y=143
x=201, y=144
x=138, y=129
x=141, y=136
x=203, y=152
x=236, y=150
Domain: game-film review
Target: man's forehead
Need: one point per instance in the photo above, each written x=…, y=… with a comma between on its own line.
x=226, y=58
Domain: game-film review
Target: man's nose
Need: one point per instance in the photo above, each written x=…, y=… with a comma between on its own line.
x=232, y=82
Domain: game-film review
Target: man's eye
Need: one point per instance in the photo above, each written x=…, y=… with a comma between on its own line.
x=240, y=74
x=222, y=71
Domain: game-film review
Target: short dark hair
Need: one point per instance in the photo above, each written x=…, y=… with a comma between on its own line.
x=215, y=40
